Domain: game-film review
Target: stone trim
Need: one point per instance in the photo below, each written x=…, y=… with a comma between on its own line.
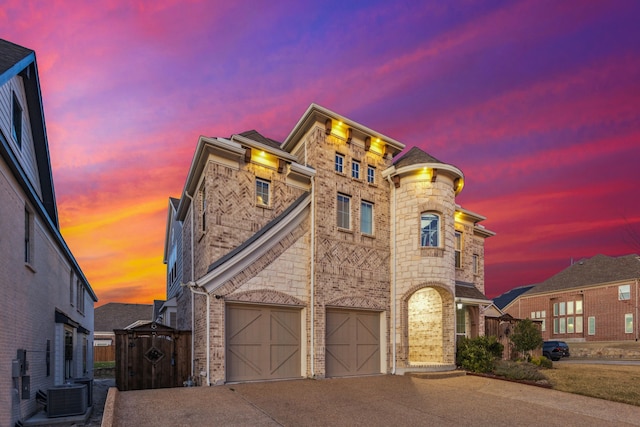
x=356, y=302
x=264, y=296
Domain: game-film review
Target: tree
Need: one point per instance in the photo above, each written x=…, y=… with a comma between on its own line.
x=526, y=337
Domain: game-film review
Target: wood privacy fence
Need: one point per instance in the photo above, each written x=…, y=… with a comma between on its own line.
x=104, y=353
x=152, y=356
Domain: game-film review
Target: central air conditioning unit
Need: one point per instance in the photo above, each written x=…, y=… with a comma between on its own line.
x=66, y=400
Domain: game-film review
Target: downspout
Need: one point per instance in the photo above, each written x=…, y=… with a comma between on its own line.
x=313, y=271
x=192, y=279
x=393, y=278
x=192, y=286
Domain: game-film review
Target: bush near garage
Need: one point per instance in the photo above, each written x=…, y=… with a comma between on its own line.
x=478, y=354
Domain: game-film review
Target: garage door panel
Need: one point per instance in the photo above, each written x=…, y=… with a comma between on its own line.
x=352, y=343
x=263, y=342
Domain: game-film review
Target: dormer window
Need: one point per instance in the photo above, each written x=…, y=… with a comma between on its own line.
x=429, y=230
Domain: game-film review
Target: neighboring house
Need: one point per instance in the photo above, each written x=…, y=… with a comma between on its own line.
x=501, y=301
x=47, y=303
x=322, y=256
x=115, y=315
x=166, y=311
x=595, y=299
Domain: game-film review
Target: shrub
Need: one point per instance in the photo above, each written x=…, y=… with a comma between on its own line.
x=526, y=336
x=542, y=362
x=518, y=371
x=478, y=354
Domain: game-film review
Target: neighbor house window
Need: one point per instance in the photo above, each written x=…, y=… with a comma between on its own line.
x=355, y=169
x=578, y=307
x=570, y=325
x=624, y=292
x=591, y=325
x=16, y=128
x=429, y=230
x=79, y=297
x=262, y=192
x=28, y=237
x=458, y=249
x=562, y=306
x=339, y=163
x=344, y=209
x=628, y=323
x=371, y=174
x=579, y=329
x=366, y=217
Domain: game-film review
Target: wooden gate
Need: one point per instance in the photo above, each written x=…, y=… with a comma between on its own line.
x=152, y=356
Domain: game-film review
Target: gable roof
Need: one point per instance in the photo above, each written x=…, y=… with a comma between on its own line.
x=597, y=270
x=115, y=315
x=501, y=301
x=469, y=292
x=15, y=61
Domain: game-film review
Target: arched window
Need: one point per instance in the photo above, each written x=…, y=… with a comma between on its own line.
x=429, y=230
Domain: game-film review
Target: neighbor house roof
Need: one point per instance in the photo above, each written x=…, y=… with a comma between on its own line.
x=501, y=301
x=115, y=315
x=597, y=270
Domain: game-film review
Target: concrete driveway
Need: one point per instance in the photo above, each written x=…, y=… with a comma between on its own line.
x=367, y=401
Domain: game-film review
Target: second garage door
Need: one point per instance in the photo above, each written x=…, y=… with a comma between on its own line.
x=352, y=343
x=263, y=342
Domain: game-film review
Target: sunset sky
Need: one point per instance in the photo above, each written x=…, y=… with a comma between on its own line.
x=537, y=102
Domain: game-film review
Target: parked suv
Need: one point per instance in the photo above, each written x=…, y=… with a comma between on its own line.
x=555, y=350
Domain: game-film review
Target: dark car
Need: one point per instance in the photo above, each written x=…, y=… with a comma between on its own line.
x=555, y=350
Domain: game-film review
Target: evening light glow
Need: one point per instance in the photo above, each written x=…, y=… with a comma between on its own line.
x=537, y=102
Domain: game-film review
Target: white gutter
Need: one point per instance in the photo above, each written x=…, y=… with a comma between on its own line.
x=393, y=277
x=313, y=272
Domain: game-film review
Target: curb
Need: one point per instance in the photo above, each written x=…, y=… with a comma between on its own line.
x=109, y=408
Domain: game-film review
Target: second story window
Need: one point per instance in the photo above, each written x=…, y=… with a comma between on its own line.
x=458, y=249
x=16, y=128
x=429, y=230
x=624, y=292
x=371, y=174
x=366, y=218
x=80, y=297
x=339, y=166
x=355, y=169
x=344, y=211
x=476, y=264
x=262, y=192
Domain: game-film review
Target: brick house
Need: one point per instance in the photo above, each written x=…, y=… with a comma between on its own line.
x=595, y=299
x=47, y=303
x=322, y=256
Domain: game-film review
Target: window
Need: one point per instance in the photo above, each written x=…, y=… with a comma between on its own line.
x=366, y=218
x=262, y=192
x=579, y=329
x=570, y=325
x=555, y=309
x=355, y=169
x=28, y=237
x=429, y=230
x=461, y=320
x=569, y=307
x=591, y=325
x=563, y=326
x=628, y=323
x=79, y=297
x=543, y=326
x=578, y=307
x=556, y=329
x=68, y=353
x=476, y=267
x=624, y=292
x=533, y=315
x=71, y=288
x=371, y=174
x=16, y=128
x=344, y=217
x=339, y=163
x=203, y=206
x=562, y=306
x=458, y=249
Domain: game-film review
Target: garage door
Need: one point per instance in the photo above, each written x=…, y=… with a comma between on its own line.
x=352, y=343
x=263, y=342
